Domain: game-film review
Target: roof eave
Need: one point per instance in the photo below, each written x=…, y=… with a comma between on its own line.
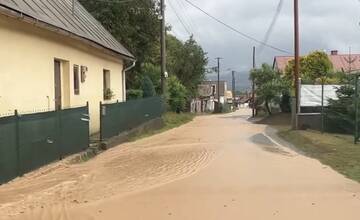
x=26, y=18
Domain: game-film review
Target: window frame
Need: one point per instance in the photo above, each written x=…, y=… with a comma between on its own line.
x=76, y=78
x=106, y=83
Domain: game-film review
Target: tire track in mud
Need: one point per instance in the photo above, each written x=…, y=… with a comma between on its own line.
x=132, y=168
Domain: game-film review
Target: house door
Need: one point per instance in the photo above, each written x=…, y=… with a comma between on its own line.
x=57, y=71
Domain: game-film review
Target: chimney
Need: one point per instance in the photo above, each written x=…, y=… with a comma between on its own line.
x=334, y=52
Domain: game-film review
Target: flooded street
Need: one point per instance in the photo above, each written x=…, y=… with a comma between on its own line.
x=216, y=167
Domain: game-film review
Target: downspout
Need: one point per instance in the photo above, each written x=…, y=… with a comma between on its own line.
x=123, y=78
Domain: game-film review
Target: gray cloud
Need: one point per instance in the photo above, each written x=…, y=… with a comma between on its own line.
x=324, y=24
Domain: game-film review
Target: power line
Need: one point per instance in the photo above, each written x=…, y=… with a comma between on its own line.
x=181, y=21
x=235, y=30
x=185, y=12
x=272, y=24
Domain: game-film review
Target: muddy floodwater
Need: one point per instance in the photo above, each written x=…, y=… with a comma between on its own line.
x=216, y=167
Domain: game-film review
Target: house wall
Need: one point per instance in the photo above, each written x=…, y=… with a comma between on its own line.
x=27, y=70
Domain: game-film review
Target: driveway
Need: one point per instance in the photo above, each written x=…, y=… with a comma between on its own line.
x=216, y=167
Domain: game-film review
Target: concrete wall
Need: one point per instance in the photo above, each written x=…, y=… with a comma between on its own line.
x=27, y=70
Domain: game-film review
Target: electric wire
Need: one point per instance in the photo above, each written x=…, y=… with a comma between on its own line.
x=179, y=18
x=236, y=30
x=272, y=25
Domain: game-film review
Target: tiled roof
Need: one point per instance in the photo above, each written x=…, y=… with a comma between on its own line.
x=345, y=62
x=281, y=62
x=340, y=62
x=59, y=14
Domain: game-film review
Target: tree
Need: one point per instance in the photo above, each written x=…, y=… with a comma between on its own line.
x=153, y=72
x=318, y=66
x=313, y=68
x=177, y=94
x=136, y=25
x=340, y=112
x=148, y=87
x=187, y=61
x=269, y=86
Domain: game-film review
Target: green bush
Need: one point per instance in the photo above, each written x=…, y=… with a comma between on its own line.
x=177, y=95
x=134, y=94
x=285, y=103
x=225, y=108
x=148, y=87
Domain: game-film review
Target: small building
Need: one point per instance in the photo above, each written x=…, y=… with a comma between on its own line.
x=214, y=88
x=208, y=96
x=229, y=97
x=55, y=55
x=341, y=62
x=205, y=100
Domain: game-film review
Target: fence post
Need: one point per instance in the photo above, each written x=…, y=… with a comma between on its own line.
x=101, y=127
x=17, y=136
x=293, y=114
x=356, y=133
x=88, y=114
x=59, y=133
x=322, y=106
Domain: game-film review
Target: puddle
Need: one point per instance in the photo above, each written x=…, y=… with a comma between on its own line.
x=268, y=145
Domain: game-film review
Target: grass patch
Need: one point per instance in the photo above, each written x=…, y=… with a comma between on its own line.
x=335, y=150
x=171, y=120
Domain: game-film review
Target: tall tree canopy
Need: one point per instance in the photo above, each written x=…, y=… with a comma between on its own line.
x=187, y=61
x=135, y=24
x=269, y=86
x=313, y=67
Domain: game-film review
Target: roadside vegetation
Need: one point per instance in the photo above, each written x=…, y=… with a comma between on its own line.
x=335, y=150
x=136, y=24
x=275, y=88
x=171, y=120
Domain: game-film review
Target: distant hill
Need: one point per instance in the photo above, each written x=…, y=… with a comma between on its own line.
x=242, y=81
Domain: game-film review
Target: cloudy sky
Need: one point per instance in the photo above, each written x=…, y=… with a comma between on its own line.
x=324, y=25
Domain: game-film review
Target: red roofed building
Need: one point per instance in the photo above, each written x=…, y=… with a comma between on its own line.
x=341, y=62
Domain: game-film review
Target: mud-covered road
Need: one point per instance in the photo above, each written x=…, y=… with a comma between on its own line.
x=216, y=167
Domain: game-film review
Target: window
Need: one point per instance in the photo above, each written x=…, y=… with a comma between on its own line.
x=108, y=94
x=76, y=80
x=213, y=90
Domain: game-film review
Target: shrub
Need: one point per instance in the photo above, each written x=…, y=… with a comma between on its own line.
x=177, y=94
x=285, y=103
x=148, y=87
x=134, y=94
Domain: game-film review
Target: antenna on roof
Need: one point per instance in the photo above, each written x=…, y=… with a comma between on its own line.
x=350, y=60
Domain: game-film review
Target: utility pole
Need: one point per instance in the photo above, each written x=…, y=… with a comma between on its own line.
x=218, y=84
x=253, y=83
x=163, y=46
x=233, y=87
x=297, y=57
x=356, y=97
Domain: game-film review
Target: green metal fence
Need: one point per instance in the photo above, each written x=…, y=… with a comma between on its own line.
x=8, y=149
x=123, y=116
x=30, y=141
